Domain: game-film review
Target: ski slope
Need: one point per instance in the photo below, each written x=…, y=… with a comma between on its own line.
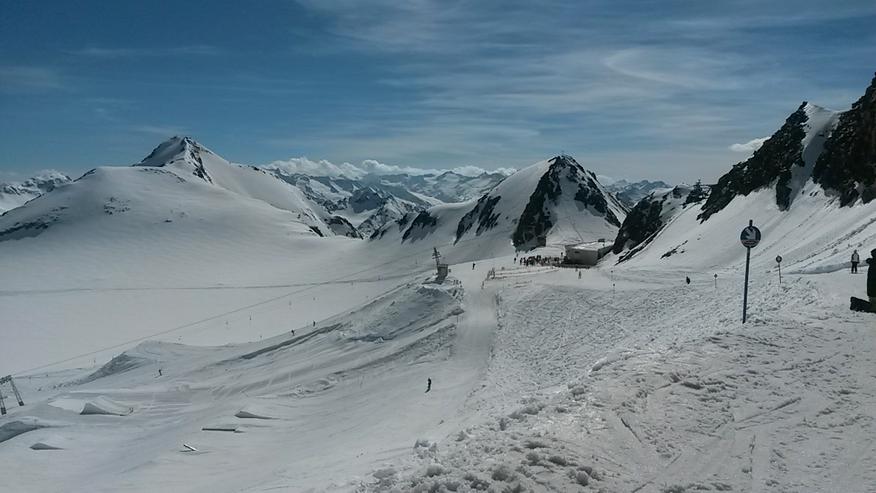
x=623, y=379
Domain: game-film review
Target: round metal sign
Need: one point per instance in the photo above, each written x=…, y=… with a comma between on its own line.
x=750, y=237
x=778, y=259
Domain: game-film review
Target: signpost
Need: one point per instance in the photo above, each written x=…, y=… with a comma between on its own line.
x=749, y=238
x=779, y=262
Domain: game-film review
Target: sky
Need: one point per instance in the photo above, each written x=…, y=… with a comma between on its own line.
x=640, y=90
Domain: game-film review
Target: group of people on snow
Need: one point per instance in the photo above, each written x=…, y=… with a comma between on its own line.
x=539, y=260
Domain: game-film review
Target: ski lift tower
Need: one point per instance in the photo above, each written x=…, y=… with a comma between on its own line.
x=441, y=269
x=8, y=379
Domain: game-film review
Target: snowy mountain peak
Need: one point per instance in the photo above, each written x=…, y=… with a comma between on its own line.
x=182, y=152
x=784, y=161
x=563, y=192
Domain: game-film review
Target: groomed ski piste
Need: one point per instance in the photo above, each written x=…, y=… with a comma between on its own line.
x=152, y=339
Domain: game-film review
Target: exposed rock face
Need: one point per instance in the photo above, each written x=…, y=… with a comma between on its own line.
x=772, y=163
x=483, y=214
x=340, y=226
x=847, y=166
x=651, y=215
x=421, y=226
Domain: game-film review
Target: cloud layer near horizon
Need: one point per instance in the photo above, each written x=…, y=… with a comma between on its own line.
x=324, y=167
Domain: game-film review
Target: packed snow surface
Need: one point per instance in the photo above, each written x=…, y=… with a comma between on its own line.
x=621, y=380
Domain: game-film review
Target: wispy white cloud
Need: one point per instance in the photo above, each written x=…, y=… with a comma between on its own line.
x=20, y=78
x=160, y=130
x=125, y=52
x=750, y=146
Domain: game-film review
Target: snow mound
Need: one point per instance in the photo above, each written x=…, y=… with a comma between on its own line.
x=105, y=406
x=254, y=412
x=227, y=427
x=22, y=425
x=249, y=415
x=120, y=364
x=44, y=446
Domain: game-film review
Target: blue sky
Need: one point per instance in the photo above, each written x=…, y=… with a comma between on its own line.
x=648, y=89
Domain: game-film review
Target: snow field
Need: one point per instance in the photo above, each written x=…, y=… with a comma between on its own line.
x=665, y=390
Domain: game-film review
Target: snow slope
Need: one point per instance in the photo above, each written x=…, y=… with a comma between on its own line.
x=145, y=250
x=540, y=381
x=814, y=235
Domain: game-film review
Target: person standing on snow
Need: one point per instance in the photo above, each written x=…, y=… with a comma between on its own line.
x=855, y=260
x=428, y=384
x=871, y=280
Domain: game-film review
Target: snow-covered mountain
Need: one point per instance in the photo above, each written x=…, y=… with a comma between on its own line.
x=16, y=194
x=630, y=193
x=809, y=187
x=784, y=162
x=181, y=181
x=553, y=202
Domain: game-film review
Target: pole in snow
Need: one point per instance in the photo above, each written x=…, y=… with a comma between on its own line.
x=779, y=262
x=749, y=238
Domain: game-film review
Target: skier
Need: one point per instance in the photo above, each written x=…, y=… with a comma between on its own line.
x=293, y=332
x=159, y=372
x=428, y=384
x=472, y=266
x=855, y=260
x=687, y=279
x=871, y=280
x=579, y=274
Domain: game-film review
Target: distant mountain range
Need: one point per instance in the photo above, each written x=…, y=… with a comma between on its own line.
x=630, y=193
x=372, y=201
x=822, y=160
x=16, y=194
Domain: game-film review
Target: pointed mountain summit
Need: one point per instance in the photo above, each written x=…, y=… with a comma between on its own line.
x=181, y=153
x=784, y=162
